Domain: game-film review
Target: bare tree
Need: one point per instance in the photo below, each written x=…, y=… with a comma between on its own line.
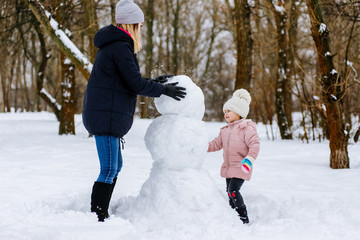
x=333, y=88
x=92, y=25
x=198, y=39
x=64, y=112
x=67, y=112
x=282, y=78
x=67, y=77
x=214, y=13
x=60, y=38
x=112, y=10
x=175, y=26
x=149, y=23
x=240, y=16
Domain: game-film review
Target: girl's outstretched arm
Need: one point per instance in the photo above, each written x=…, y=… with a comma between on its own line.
x=216, y=144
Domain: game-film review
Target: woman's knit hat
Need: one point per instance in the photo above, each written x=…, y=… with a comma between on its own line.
x=239, y=103
x=127, y=12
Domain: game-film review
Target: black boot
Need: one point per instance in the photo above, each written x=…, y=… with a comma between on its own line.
x=243, y=214
x=108, y=202
x=240, y=207
x=100, y=198
x=113, y=186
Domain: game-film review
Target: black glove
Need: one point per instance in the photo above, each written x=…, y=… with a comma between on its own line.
x=174, y=91
x=162, y=78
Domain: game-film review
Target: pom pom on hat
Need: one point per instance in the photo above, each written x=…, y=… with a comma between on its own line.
x=244, y=94
x=239, y=103
x=127, y=12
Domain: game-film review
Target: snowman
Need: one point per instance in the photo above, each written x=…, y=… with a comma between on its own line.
x=179, y=191
x=177, y=140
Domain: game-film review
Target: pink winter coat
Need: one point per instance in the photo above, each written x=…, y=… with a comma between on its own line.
x=238, y=140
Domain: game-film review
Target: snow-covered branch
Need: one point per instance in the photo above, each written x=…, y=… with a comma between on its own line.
x=60, y=38
x=51, y=99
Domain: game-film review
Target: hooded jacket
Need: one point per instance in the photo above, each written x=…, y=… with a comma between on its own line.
x=238, y=140
x=114, y=83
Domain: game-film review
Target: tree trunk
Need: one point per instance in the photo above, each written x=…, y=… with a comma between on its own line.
x=93, y=26
x=113, y=8
x=168, y=36
x=9, y=79
x=3, y=88
x=67, y=68
x=17, y=95
x=339, y=157
x=291, y=53
x=346, y=102
x=2, y=109
x=333, y=88
x=214, y=16
x=26, y=95
x=36, y=104
x=67, y=112
x=282, y=79
x=149, y=19
x=175, y=52
x=244, y=44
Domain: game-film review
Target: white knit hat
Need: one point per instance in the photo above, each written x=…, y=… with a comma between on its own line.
x=239, y=103
x=127, y=12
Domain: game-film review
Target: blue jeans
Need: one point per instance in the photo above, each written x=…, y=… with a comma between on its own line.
x=109, y=153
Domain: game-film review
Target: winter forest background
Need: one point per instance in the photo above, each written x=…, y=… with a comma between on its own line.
x=293, y=56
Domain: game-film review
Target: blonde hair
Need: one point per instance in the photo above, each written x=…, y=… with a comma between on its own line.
x=134, y=31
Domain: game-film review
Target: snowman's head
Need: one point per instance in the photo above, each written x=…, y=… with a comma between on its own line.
x=191, y=106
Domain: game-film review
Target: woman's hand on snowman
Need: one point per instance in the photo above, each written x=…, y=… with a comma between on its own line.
x=163, y=78
x=171, y=90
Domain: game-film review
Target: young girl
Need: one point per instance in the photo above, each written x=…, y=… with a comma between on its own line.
x=110, y=97
x=240, y=143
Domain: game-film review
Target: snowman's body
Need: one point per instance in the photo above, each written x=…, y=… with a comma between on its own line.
x=177, y=140
x=178, y=187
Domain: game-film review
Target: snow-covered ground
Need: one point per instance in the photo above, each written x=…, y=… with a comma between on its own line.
x=46, y=180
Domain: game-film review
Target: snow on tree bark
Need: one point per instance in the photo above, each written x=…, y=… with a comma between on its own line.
x=67, y=121
x=333, y=89
x=282, y=78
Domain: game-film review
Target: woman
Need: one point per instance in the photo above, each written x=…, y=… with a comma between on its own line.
x=110, y=97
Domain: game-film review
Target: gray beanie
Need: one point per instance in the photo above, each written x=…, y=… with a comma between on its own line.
x=239, y=103
x=127, y=12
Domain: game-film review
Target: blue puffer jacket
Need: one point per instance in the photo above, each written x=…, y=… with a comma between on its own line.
x=114, y=83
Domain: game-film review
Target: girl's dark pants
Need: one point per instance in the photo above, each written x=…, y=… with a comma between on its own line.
x=236, y=201
x=233, y=186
